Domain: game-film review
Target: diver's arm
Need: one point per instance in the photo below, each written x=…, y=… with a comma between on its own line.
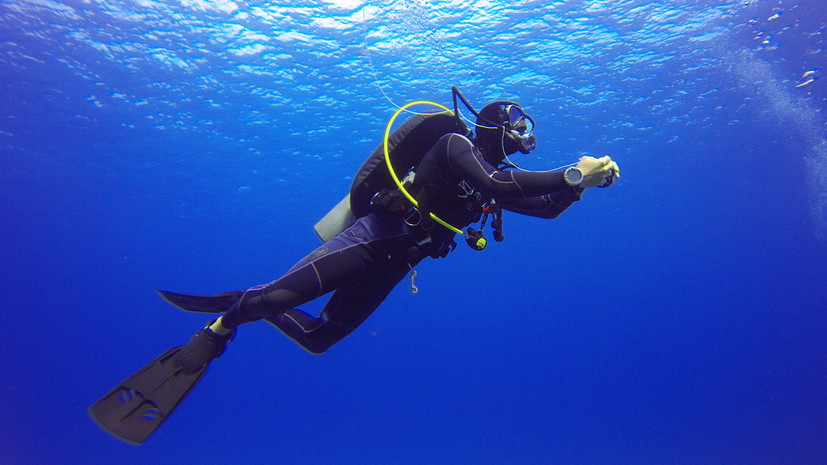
x=547, y=206
x=501, y=185
x=594, y=172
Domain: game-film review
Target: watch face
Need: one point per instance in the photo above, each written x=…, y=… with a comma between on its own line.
x=573, y=176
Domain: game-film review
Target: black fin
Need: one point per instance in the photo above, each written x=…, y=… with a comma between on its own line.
x=218, y=303
x=137, y=407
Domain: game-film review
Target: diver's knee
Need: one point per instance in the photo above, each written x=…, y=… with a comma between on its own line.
x=316, y=348
x=280, y=300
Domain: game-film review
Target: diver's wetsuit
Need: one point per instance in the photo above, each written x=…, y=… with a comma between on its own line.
x=362, y=264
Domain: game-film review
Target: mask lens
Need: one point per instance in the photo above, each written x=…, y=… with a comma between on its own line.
x=519, y=121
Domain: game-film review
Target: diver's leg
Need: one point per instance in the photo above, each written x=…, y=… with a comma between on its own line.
x=343, y=313
x=362, y=253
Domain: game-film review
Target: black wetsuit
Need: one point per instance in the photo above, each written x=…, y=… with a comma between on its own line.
x=363, y=264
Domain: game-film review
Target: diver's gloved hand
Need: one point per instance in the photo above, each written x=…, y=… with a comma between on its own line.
x=600, y=172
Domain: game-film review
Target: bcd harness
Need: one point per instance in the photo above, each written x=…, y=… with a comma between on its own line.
x=376, y=186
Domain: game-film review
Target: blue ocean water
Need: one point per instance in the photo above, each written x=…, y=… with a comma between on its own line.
x=677, y=317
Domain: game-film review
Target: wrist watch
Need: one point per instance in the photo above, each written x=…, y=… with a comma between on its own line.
x=573, y=176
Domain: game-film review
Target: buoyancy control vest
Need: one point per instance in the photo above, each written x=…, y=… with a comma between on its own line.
x=407, y=145
x=404, y=149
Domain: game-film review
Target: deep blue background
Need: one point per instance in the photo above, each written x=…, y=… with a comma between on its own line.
x=677, y=317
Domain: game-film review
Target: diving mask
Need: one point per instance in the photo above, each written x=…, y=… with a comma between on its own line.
x=520, y=127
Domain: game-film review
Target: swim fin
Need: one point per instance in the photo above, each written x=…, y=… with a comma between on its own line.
x=137, y=407
x=218, y=303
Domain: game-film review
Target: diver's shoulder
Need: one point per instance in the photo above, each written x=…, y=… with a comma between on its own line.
x=456, y=140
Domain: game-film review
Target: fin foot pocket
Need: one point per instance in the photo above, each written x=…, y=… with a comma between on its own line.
x=203, y=347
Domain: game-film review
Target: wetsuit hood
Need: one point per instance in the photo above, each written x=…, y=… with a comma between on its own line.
x=503, y=129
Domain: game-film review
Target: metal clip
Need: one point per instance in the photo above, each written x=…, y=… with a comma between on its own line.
x=412, y=217
x=414, y=289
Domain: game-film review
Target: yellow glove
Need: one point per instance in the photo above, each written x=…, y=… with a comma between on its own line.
x=598, y=171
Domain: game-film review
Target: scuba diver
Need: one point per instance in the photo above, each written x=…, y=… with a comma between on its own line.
x=452, y=178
